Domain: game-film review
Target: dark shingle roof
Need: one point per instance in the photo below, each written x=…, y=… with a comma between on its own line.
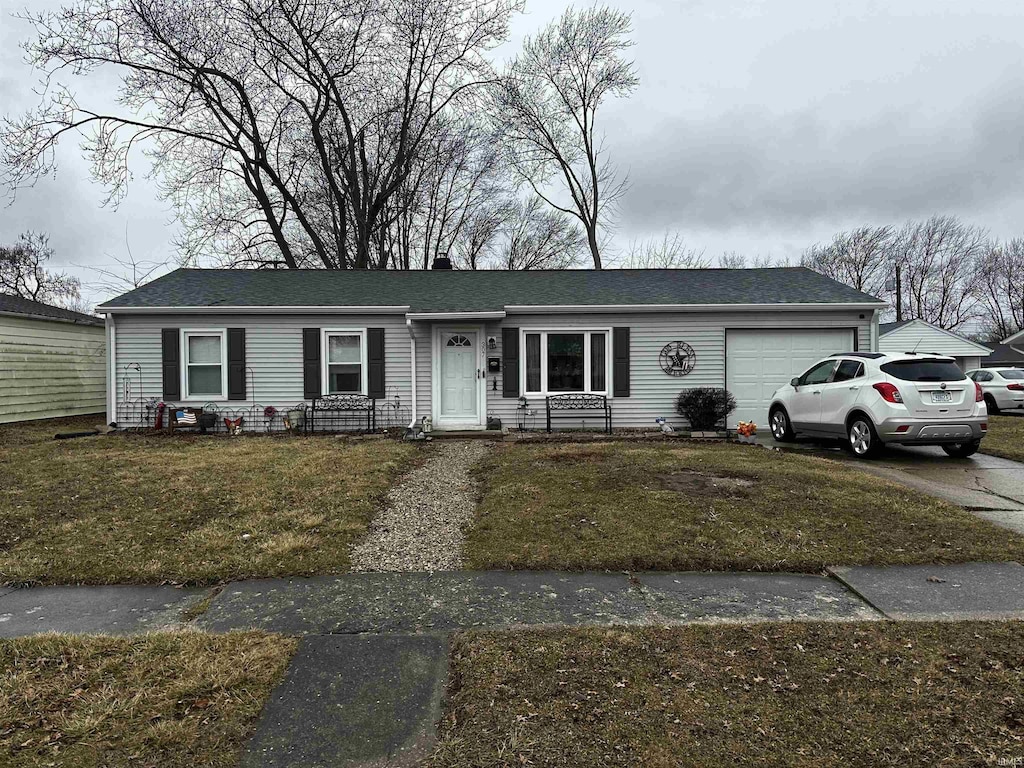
x=884, y=328
x=457, y=290
x=15, y=305
x=1003, y=354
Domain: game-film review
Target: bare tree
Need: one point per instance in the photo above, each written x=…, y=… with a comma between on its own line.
x=732, y=260
x=284, y=131
x=668, y=252
x=858, y=258
x=547, y=105
x=23, y=273
x=999, y=288
x=938, y=263
x=537, y=238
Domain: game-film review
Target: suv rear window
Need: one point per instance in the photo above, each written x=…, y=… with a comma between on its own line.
x=924, y=370
x=1012, y=374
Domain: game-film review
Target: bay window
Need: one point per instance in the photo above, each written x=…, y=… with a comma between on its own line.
x=344, y=368
x=565, y=361
x=205, y=368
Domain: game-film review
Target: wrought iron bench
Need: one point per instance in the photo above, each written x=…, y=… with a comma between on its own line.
x=578, y=402
x=345, y=405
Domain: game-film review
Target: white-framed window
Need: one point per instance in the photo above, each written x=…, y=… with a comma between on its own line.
x=204, y=369
x=343, y=360
x=566, y=360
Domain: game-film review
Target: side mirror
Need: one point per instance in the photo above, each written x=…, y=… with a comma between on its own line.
x=794, y=382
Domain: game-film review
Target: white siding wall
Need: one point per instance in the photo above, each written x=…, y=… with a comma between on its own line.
x=923, y=338
x=273, y=351
x=50, y=369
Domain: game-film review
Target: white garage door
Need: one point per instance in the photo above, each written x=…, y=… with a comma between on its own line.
x=757, y=362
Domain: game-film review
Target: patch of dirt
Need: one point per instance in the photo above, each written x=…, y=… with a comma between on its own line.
x=707, y=484
x=577, y=454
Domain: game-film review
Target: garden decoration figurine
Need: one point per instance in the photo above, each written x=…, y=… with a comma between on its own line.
x=269, y=413
x=234, y=426
x=664, y=426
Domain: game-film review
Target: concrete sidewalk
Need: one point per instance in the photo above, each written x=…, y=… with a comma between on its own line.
x=405, y=603
x=365, y=688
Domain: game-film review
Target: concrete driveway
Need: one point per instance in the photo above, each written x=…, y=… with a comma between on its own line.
x=991, y=487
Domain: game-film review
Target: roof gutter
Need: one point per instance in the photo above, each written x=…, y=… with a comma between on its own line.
x=567, y=308
x=284, y=310
x=483, y=315
x=97, y=322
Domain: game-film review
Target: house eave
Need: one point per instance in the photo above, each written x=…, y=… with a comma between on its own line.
x=603, y=308
x=254, y=310
x=483, y=315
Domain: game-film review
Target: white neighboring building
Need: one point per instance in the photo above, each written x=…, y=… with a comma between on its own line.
x=919, y=336
x=52, y=361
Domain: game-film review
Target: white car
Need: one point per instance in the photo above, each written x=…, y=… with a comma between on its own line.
x=1002, y=387
x=869, y=399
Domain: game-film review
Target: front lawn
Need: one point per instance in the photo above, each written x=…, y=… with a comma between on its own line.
x=769, y=694
x=184, y=508
x=694, y=506
x=1005, y=437
x=184, y=699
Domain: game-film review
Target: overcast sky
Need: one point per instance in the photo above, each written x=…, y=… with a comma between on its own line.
x=759, y=127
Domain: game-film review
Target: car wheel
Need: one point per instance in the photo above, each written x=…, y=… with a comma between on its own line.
x=962, y=450
x=862, y=439
x=991, y=404
x=782, y=430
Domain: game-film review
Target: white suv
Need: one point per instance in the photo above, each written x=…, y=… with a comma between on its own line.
x=870, y=399
x=1002, y=387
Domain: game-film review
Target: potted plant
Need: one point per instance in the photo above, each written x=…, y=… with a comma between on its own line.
x=705, y=408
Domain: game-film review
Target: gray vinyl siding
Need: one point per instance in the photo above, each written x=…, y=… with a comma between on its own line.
x=273, y=353
x=50, y=369
x=653, y=392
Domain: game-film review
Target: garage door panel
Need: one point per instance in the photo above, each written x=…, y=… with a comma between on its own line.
x=758, y=362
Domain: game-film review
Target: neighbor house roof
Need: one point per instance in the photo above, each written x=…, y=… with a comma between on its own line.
x=1004, y=354
x=486, y=290
x=961, y=345
x=15, y=305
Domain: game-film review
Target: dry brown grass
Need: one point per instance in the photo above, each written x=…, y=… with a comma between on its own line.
x=184, y=508
x=1005, y=437
x=164, y=700
x=781, y=695
x=692, y=506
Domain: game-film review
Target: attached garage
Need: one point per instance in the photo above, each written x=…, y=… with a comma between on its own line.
x=758, y=361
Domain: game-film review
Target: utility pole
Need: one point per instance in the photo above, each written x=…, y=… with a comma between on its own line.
x=899, y=295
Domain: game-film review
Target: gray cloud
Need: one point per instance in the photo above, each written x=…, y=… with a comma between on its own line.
x=750, y=167
x=760, y=125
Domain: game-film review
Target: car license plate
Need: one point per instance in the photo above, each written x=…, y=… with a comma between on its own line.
x=942, y=397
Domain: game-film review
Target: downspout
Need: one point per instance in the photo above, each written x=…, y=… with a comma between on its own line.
x=412, y=354
x=874, y=330
x=111, y=369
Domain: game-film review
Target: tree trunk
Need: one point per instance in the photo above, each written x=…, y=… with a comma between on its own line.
x=592, y=242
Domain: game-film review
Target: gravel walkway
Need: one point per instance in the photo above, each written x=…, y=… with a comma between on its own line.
x=421, y=527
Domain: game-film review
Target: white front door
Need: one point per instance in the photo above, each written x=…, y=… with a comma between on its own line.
x=459, y=377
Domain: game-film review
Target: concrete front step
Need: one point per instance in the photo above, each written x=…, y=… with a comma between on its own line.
x=467, y=434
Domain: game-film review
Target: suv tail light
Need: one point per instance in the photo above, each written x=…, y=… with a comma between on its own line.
x=890, y=394
x=978, y=394
x=1015, y=387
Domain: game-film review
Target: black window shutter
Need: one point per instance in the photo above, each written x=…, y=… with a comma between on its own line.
x=171, y=352
x=310, y=363
x=375, y=363
x=510, y=362
x=236, y=363
x=620, y=362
